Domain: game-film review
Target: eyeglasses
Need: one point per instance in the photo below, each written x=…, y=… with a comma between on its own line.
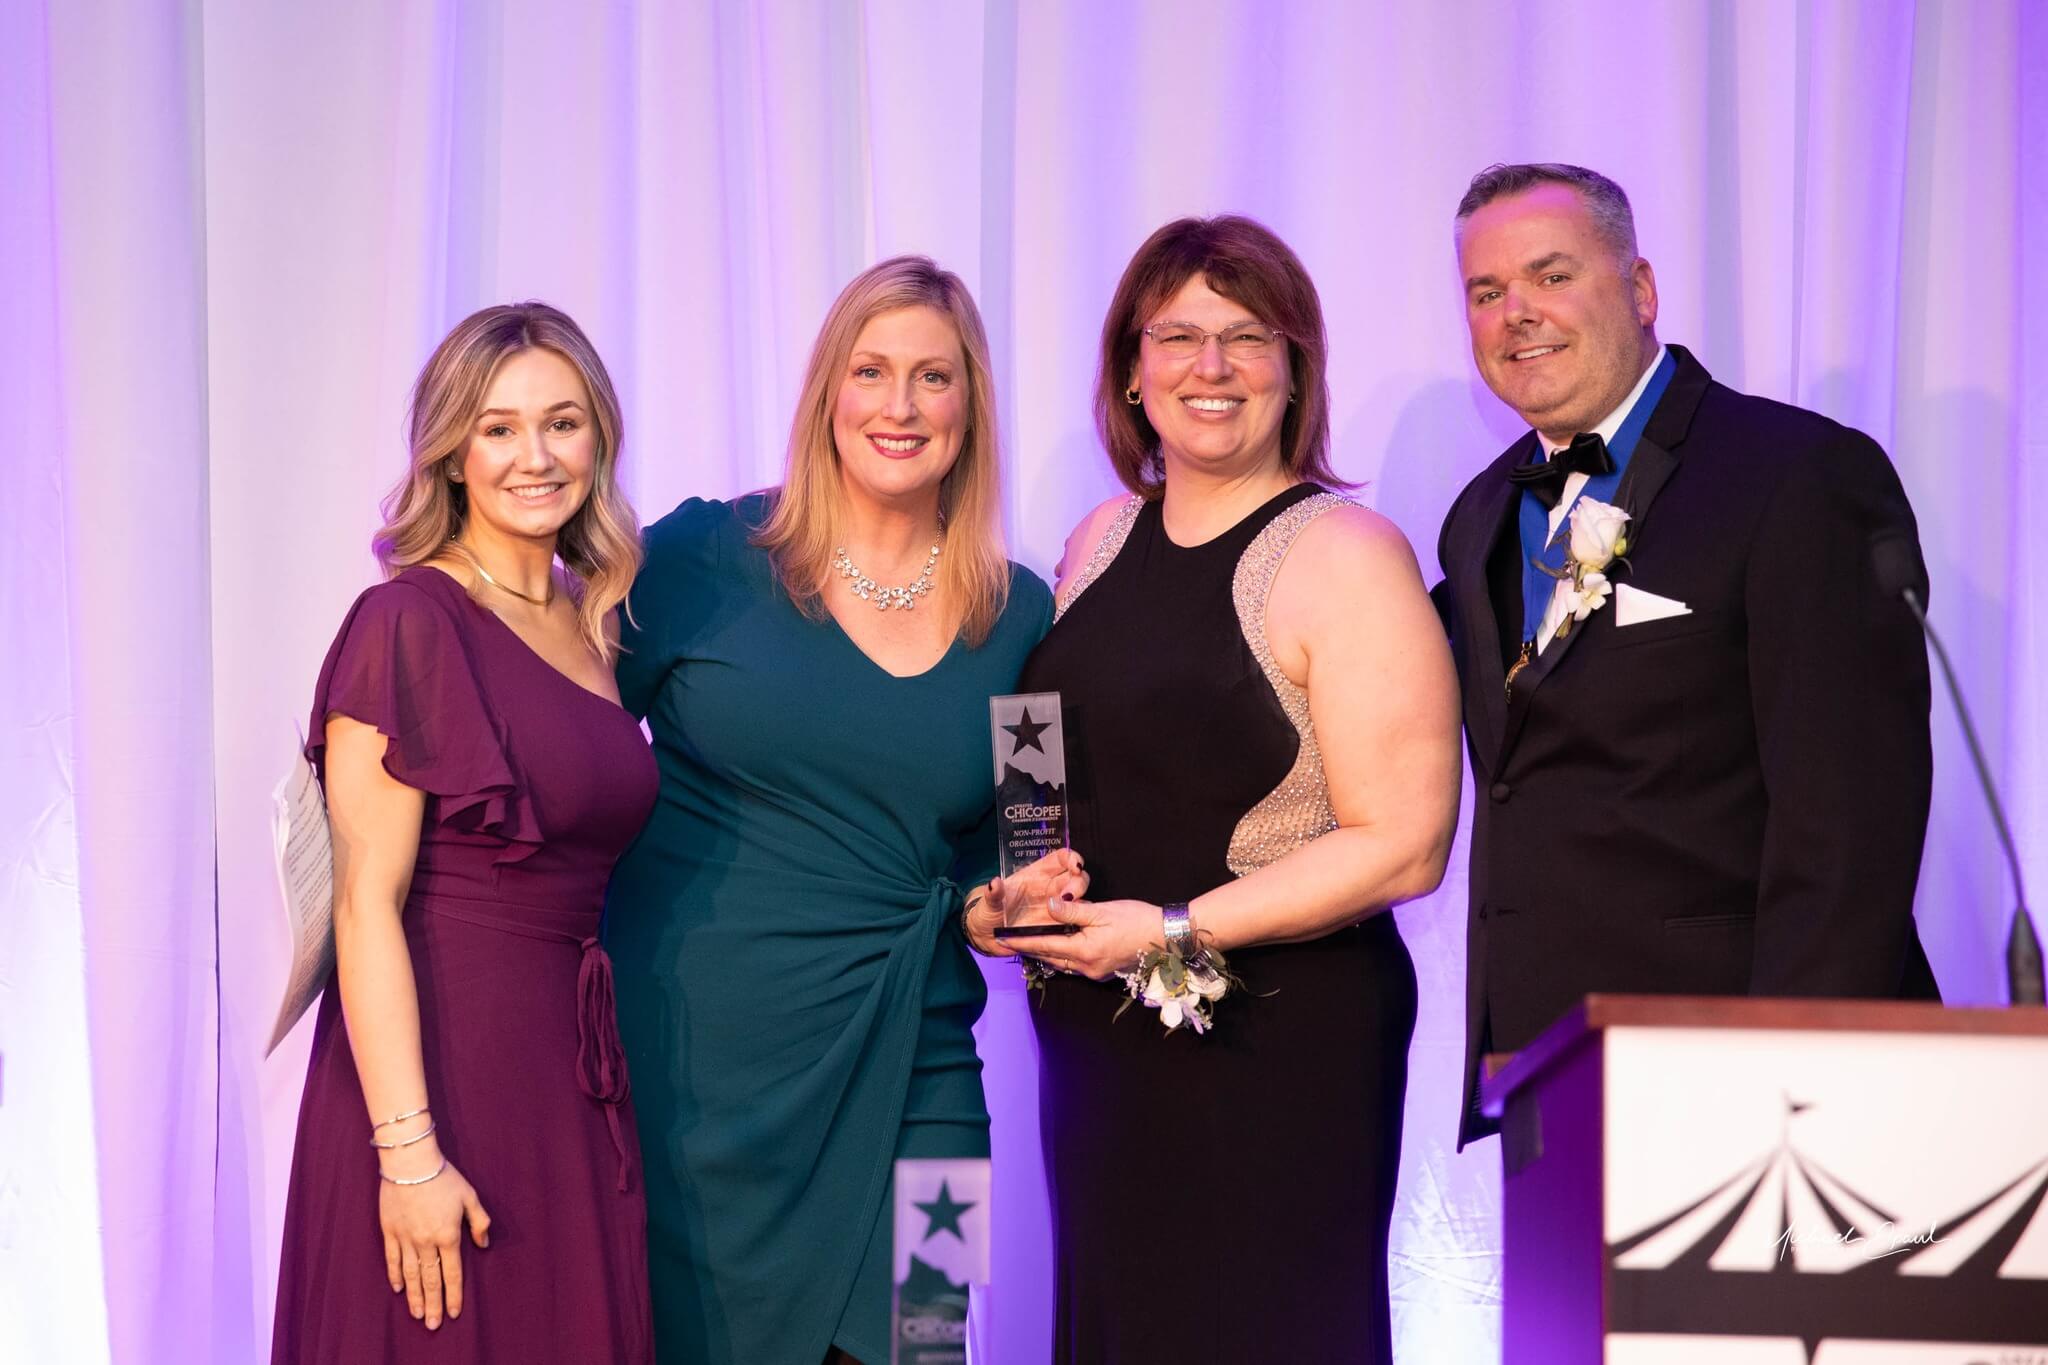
x=1241, y=340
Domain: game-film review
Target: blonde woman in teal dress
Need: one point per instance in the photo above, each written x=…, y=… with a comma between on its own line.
x=795, y=991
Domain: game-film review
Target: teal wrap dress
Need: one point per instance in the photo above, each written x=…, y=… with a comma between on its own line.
x=794, y=991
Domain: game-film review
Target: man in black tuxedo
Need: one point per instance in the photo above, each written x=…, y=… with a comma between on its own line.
x=1701, y=767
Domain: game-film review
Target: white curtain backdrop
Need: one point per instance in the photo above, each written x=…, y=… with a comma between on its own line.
x=107, y=965
x=231, y=230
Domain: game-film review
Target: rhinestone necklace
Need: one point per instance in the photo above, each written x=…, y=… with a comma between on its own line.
x=867, y=590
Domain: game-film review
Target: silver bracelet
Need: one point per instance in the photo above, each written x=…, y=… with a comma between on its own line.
x=1180, y=928
x=392, y=1179
x=399, y=1118
x=405, y=1142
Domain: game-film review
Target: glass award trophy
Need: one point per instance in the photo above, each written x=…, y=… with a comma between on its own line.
x=1031, y=788
x=942, y=1247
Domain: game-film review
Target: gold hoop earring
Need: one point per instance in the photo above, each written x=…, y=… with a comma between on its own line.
x=1133, y=397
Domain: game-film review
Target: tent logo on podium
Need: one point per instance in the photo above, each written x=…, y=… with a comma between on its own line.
x=1782, y=1246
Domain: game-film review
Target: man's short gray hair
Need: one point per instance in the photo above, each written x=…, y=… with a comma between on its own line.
x=1604, y=199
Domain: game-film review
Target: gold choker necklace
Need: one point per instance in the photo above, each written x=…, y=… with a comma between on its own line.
x=485, y=575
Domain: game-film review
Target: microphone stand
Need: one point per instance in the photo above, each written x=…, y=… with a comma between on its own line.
x=2022, y=948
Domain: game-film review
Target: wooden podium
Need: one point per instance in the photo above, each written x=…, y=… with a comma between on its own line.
x=1718, y=1181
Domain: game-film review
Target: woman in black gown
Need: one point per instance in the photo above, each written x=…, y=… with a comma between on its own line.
x=1262, y=750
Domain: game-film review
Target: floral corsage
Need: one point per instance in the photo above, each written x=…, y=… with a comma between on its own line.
x=1599, y=537
x=1183, y=989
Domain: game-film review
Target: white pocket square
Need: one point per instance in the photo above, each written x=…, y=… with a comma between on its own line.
x=1633, y=606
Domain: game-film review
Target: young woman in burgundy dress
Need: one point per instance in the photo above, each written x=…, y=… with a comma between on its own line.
x=466, y=1185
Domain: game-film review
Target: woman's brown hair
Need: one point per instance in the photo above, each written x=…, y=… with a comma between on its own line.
x=1243, y=260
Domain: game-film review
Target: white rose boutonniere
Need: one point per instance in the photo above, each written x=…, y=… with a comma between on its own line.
x=1599, y=534
x=1599, y=537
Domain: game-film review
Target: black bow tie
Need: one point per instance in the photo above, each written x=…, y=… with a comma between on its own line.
x=1587, y=454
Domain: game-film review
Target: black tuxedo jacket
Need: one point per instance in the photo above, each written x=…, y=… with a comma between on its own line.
x=1730, y=802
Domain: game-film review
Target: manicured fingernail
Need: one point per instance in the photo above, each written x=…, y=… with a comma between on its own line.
x=1066, y=895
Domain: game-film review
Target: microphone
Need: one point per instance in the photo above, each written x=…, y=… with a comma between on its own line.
x=1896, y=560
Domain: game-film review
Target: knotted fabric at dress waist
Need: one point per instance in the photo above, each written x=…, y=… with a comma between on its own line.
x=600, y=1056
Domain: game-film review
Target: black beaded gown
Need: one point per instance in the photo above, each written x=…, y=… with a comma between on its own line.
x=1222, y=1197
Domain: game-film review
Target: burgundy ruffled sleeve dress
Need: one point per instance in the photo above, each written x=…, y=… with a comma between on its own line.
x=534, y=787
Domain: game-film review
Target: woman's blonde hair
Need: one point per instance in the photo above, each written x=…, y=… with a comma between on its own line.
x=802, y=530
x=427, y=510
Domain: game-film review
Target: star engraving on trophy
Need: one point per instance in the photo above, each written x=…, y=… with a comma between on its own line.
x=944, y=1213
x=1027, y=732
